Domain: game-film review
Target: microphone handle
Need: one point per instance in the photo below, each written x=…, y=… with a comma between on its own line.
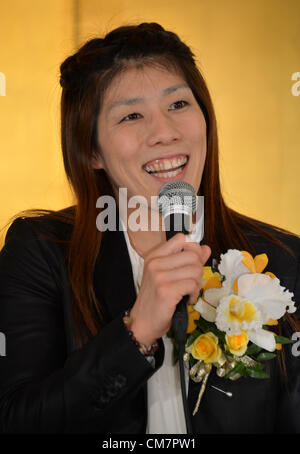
x=175, y=223
x=180, y=320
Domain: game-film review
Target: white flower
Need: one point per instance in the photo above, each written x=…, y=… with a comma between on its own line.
x=267, y=294
x=259, y=298
x=231, y=267
x=247, y=299
x=263, y=338
x=236, y=314
x=207, y=311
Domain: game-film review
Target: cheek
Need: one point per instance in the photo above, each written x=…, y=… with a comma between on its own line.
x=195, y=129
x=199, y=128
x=120, y=166
x=197, y=139
x=122, y=147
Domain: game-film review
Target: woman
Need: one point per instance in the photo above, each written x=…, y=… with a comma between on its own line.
x=77, y=361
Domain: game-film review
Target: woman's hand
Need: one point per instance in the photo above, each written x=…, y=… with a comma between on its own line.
x=171, y=270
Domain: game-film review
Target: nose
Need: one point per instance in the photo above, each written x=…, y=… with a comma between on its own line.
x=162, y=130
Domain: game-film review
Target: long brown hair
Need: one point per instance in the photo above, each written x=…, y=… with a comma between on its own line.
x=84, y=78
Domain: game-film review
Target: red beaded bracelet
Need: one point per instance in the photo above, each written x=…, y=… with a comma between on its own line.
x=146, y=351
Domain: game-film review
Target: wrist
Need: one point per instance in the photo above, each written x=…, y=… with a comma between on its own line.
x=147, y=346
x=139, y=330
x=140, y=336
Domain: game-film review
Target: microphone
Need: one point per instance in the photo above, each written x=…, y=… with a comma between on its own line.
x=177, y=203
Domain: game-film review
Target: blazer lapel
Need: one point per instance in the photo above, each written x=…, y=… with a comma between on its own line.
x=113, y=277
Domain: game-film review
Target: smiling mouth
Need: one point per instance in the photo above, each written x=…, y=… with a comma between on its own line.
x=166, y=167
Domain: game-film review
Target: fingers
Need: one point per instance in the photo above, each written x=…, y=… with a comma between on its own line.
x=172, y=246
x=187, y=280
x=190, y=287
x=169, y=293
x=177, y=244
x=187, y=272
x=202, y=251
x=177, y=260
x=172, y=270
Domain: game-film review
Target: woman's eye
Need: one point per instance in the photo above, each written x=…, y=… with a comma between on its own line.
x=175, y=106
x=133, y=116
x=178, y=105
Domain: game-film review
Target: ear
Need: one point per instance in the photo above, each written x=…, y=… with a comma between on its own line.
x=97, y=161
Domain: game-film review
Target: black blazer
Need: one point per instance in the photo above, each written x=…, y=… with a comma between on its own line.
x=48, y=386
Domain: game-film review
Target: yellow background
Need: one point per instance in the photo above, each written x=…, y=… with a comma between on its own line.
x=247, y=51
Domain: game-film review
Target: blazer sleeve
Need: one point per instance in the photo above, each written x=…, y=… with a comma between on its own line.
x=42, y=390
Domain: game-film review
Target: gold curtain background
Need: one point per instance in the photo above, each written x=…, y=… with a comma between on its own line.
x=248, y=51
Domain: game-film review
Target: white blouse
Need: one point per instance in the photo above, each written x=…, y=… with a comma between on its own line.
x=165, y=408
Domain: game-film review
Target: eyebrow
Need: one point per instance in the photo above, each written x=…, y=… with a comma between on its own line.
x=136, y=100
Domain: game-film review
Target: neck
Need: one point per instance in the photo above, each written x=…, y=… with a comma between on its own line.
x=143, y=232
x=143, y=241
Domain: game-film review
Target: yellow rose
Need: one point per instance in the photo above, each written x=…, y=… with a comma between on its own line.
x=205, y=347
x=237, y=344
x=192, y=316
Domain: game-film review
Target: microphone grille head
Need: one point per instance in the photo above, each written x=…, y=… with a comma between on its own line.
x=176, y=194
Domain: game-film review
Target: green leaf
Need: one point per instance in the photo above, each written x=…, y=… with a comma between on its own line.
x=256, y=372
x=170, y=333
x=283, y=340
x=206, y=326
x=175, y=354
x=192, y=361
x=238, y=369
x=244, y=372
x=214, y=270
x=192, y=337
x=252, y=349
x=265, y=356
x=203, y=325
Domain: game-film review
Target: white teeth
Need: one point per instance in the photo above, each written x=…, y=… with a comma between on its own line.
x=167, y=174
x=167, y=164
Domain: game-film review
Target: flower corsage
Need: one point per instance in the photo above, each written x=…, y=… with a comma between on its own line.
x=229, y=328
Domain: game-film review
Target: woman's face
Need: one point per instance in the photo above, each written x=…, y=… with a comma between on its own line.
x=151, y=122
